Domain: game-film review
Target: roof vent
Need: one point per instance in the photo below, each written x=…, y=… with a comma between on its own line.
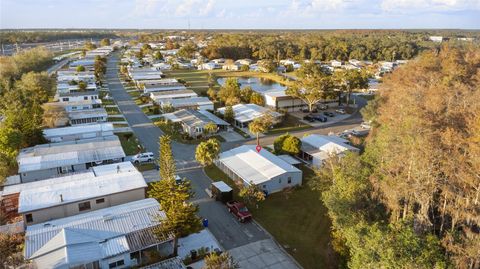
x=107, y=217
x=47, y=225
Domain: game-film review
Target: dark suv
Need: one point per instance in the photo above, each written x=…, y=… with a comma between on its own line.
x=309, y=118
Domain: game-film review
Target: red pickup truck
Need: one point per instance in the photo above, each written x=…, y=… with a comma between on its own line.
x=239, y=210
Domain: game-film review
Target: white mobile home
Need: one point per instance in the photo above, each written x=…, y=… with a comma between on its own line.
x=316, y=149
x=79, y=193
x=56, y=159
x=116, y=237
x=200, y=103
x=193, y=121
x=269, y=172
x=78, y=132
x=246, y=113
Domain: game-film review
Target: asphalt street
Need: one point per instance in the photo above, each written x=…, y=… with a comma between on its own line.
x=228, y=231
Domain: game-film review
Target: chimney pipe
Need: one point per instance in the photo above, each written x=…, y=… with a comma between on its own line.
x=61, y=198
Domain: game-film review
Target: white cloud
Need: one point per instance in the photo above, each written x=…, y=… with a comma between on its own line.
x=195, y=7
x=407, y=6
x=145, y=7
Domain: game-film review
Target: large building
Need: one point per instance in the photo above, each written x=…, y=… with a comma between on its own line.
x=116, y=237
x=279, y=100
x=316, y=149
x=56, y=159
x=61, y=197
x=264, y=169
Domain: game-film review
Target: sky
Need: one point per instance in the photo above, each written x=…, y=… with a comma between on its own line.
x=240, y=14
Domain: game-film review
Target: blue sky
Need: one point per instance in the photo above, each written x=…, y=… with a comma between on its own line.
x=240, y=14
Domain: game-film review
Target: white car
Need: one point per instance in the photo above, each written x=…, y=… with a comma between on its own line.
x=143, y=157
x=340, y=111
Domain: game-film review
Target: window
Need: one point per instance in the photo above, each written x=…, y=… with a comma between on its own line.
x=116, y=264
x=279, y=180
x=84, y=206
x=289, y=180
x=264, y=186
x=65, y=99
x=29, y=218
x=101, y=200
x=85, y=98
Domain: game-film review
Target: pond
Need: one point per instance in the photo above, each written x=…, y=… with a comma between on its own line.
x=260, y=85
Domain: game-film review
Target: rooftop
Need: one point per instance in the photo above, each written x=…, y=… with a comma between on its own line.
x=256, y=167
x=53, y=155
x=326, y=143
x=194, y=117
x=81, y=129
x=193, y=101
x=95, y=235
x=249, y=112
x=79, y=187
x=87, y=113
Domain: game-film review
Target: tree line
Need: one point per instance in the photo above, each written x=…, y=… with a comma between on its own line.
x=49, y=36
x=412, y=199
x=23, y=91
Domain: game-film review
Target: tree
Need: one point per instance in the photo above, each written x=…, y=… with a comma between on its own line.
x=252, y=194
x=222, y=261
x=188, y=50
x=105, y=42
x=158, y=56
x=210, y=128
x=267, y=66
x=260, y=125
x=166, y=162
x=292, y=145
x=229, y=114
x=89, y=46
x=54, y=115
x=100, y=67
x=257, y=98
x=311, y=89
x=230, y=92
x=82, y=85
x=278, y=143
x=36, y=86
x=246, y=94
x=349, y=80
x=9, y=246
x=207, y=152
x=80, y=68
x=212, y=93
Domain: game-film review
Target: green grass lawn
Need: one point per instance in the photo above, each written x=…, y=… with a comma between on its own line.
x=145, y=166
x=115, y=119
x=129, y=143
x=108, y=102
x=120, y=125
x=134, y=94
x=176, y=134
x=112, y=110
x=297, y=219
x=289, y=124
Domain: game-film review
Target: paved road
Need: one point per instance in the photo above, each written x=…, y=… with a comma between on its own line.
x=226, y=229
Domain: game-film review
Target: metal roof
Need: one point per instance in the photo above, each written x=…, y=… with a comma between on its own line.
x=222, y=186
x=325, y=143
x=249, y=112
x=93, y=235
x=87, y=113
x=58, y=191
x=82, y=151
x=193, y=101
x=81, y=129
x=194, y=118
x=172, y=263
x=253, y=166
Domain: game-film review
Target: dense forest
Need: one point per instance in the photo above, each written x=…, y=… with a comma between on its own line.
x=412, y=199
x=23, y=91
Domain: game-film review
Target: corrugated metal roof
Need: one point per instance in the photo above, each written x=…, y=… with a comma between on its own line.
x=194, y=118
x=87, y=113
x=193, y=101
x=253, y=166
x=328, y=144
x=104, y=224
x=172, y=263
x=58, y=191
x=249, y=112
x=146, y=237
x=81, y=129
x=54, y=155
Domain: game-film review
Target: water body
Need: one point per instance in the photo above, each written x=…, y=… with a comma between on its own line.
x=260, y=85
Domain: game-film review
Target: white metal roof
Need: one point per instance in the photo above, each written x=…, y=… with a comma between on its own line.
x=58, y=191
x=253, y=166
x=91, y=128
x=329, y=144
x=249, y=112
x=87, y=113
x=95, y=171
x=289, y=159
x=93, y=234
x=222, y=186
x=194, y=118
x=183, y=102
x=53, y=155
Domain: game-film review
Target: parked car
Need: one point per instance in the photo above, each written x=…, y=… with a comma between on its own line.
x=305, y=110
x=329, y=114
x=239, y=210
x=340, y=111
x=322, y=106
x=143, y=157
x=309, y=118
x=320, y=118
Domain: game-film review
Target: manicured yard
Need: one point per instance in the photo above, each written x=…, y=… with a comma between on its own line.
x=112, y=110
x=297, y=219
x=115, y=119
x=174, y=132
x=108, y=102
x=290, y=123
x=146, y=166
x=129, y=143
x=120, y=125
x=134, y=94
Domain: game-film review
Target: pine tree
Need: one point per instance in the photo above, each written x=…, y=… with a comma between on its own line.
x=222, y=261
x=166, y=160
x=207, y=152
